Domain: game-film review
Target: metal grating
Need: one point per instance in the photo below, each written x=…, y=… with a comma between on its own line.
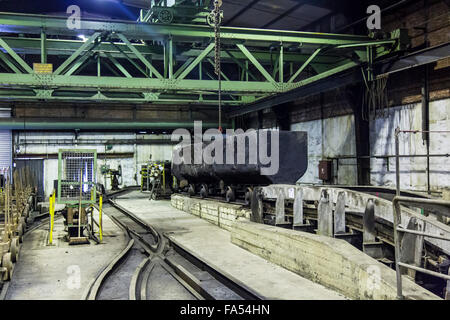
x=75, y=168
x=5, y=142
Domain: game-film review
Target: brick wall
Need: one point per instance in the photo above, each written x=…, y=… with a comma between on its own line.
x=220, y=214
x=403, y=87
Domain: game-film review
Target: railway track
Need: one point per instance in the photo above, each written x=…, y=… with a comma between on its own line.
x=432, y=257
x=153, y=267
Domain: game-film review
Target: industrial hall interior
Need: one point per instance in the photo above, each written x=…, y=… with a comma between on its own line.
x=230, y=150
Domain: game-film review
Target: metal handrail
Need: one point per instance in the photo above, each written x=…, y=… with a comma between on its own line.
x=420, y=203
x=398, y=156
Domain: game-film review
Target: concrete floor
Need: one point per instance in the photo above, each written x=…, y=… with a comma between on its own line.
x=61, y=272
x=214, y=246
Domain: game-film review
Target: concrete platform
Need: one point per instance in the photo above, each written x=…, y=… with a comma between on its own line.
x=214, y=246
x=330, y=262
x=61, y=272
x=333, y=263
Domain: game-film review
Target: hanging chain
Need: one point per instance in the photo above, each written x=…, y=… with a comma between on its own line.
x=217, y=63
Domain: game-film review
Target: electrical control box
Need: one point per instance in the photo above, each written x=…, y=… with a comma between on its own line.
x=325, y=170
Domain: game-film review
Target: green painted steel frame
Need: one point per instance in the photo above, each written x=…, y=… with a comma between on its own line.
x=94, y=183
x=129, y=48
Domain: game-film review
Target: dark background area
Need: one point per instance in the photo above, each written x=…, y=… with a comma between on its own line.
x=101, y=8
x=305, y=15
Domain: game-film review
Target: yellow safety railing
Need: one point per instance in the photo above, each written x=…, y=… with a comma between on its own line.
x=100, y=221
x=52, y=216
x=52, y=201
x=99, y=224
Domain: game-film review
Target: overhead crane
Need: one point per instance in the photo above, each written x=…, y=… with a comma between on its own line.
x=140, y=62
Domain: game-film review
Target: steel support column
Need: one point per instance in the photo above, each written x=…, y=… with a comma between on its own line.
x=362, y=135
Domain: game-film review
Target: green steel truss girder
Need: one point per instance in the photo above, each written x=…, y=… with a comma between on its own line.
x=15, y=56
x=196, y=61
x=77, y=53
x=25, y=23
x=5, y=58
x=118, y=65
x=100, y=97
x=304, y=65
x=63, y=47
x=132, y=84
x=180, y=49
x=140, y=56
x=256, y=63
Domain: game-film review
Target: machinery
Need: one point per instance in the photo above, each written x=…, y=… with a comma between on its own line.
x=182, y=11
x=114, y=176
x=237, y=179
x=145, y=181
x=77, y=179
x=161, y=180
x=16, y=201
x=156, y=177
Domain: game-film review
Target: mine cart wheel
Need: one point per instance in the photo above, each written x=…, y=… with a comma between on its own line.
x=14, y=249
x=230, y=196
x=204, y=191
x=222, y=188
x=191, y=190
x=7, y=263
x=248, y=196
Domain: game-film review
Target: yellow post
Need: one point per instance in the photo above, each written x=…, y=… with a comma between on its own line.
x=52, y=215
x=100, y=223
x=164, y=177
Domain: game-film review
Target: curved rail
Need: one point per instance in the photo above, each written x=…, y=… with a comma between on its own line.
x=228, y=280
x=137, y=281
x=177, y=263
x=145, y=278
x=160, y=242
x=93, y=291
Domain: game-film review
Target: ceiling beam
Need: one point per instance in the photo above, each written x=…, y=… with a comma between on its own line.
x=398, y=4
x=240, y=12
x=416, y=59
x=15, y=23
x=334, y=8
x=323, y=85
x=283, y=15
x=316, y=22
